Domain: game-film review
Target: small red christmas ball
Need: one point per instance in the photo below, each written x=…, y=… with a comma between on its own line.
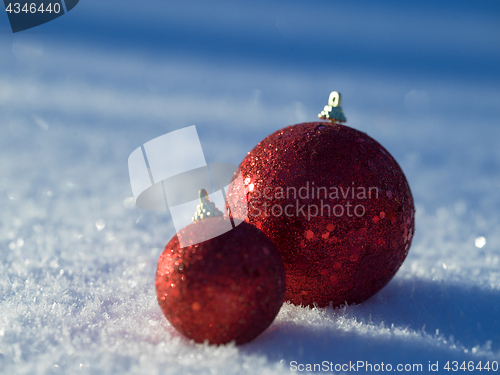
x=230, y=287
x=336, y=204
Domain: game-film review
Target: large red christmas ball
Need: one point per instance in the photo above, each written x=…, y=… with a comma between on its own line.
x=230, y=287
x=336, y=204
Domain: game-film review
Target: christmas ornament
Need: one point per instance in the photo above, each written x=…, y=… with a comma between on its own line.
x=227, y=288
x=336, y=204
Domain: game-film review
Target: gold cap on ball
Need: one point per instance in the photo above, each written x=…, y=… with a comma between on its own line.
x=333, y=111
x=205, y=209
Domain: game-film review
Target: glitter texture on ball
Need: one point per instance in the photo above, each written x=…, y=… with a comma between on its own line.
x=228, y=288
x=335, y=203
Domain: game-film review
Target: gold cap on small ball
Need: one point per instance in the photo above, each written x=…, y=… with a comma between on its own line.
x=205, y=209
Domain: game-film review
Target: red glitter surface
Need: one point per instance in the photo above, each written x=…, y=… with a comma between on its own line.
x=328, y=256
x=230, y=287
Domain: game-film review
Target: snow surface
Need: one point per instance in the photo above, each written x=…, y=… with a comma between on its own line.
x=77, y=258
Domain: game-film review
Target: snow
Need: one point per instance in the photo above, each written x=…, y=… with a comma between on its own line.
x=77, y=258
